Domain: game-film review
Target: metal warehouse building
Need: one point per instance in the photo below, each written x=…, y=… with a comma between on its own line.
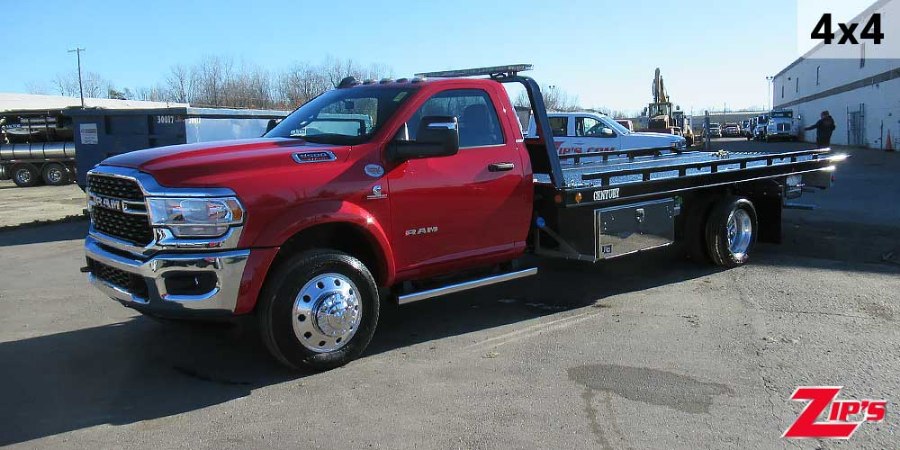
x=862, y=94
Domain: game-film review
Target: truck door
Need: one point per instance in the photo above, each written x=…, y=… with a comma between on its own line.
x=475, y=203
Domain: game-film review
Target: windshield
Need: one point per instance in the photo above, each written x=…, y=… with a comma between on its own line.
x=343, y=116
x=614, y=125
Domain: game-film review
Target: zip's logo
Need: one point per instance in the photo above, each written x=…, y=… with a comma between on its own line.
x=844, y=416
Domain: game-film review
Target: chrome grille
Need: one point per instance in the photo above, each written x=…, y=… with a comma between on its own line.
x=133, y=226
x=122, y=188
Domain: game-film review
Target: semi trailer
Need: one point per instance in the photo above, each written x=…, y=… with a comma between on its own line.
x=36, y=148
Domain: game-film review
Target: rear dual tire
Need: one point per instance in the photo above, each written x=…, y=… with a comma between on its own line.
x=56, y=174
x=723, y=234
x=26, y=175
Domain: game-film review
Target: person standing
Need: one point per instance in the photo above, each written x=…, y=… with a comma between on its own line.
x=824, y=127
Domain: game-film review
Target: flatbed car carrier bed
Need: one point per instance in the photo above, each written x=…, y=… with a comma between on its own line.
x=637, y=174
x=611, y=204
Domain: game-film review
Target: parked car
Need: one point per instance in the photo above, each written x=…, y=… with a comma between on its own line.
x=731, y=129
x=747, y=127
x=714, y=130
x=435, y=192
x=589, y=132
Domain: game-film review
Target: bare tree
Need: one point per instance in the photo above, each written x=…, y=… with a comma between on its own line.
x=67, y=84
x=151, y=94
x=212, y=74
x=217, y=81
x=555, y=99
x=338, y=69
x=181, y=83
x=36, y=87
x=64, y=84
x=302, y=82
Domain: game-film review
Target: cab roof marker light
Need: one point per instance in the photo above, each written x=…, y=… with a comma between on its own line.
x=511, y=70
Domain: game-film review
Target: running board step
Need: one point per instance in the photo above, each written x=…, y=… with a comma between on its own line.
x=458, y=287
x=801, y=206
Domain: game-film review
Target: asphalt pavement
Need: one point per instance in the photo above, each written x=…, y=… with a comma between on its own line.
x=647, y=351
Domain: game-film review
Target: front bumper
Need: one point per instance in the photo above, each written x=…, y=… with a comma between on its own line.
x=218, y=278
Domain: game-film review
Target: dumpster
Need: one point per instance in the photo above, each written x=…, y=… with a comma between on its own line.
x=101, y=133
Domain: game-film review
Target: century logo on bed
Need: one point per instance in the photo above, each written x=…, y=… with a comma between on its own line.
x=606, y=194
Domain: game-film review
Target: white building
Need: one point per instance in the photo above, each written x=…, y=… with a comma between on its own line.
x=862, y=94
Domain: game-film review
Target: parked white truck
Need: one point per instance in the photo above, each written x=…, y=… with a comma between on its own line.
x=590, y=132
x=782, y=125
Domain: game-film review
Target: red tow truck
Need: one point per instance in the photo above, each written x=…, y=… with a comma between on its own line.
x=400, y=191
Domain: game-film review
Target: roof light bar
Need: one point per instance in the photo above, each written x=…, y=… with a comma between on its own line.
x=495, y=71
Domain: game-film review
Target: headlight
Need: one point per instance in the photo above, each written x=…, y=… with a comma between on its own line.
x=196, y=217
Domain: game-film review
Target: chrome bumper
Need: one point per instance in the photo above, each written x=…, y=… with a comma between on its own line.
x=227, y=266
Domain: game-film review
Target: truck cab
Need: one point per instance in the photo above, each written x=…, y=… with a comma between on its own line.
x=589, y=132
x=782, y=125
x=759, y=131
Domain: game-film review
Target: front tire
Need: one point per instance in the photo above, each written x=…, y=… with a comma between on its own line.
x=319, y=310
x=731, y=231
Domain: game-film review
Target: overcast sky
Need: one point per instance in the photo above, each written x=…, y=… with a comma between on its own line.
x=711, y=53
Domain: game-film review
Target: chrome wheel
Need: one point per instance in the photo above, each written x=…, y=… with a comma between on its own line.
x=54, y=176
x=326, y=312
x=740, y=231
x=24, y=176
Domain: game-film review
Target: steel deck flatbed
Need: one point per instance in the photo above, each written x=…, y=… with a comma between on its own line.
x=611, y=177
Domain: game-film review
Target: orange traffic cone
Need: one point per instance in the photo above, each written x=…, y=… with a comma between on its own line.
x=888, y=145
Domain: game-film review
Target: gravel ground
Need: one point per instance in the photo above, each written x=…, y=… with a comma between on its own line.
x=644, y=352
x=39, y=203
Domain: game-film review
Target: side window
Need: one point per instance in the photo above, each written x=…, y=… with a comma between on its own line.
x=585, y=124
x=559, y=125
x=478, y=122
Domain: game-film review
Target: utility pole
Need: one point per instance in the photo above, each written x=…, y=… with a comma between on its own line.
x=77, y=51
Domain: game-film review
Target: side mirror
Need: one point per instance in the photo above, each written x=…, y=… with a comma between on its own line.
x=436, y=136
x=607, y=132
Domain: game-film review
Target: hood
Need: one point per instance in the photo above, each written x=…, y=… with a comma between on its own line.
x=197, y=164
x=668, y=136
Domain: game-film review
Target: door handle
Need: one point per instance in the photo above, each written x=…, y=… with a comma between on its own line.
x=501, y=167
